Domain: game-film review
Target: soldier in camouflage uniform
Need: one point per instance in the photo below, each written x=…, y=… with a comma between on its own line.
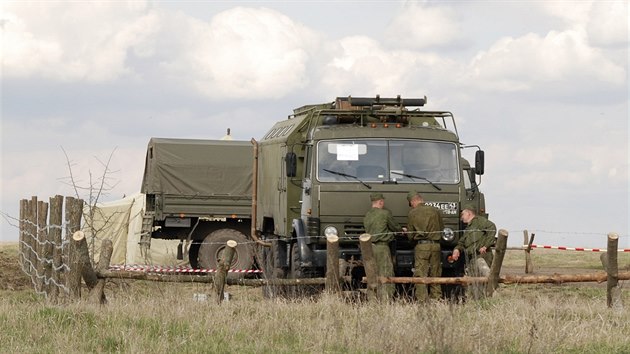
x=476, y=241
x=380, y=224
x=425, y=227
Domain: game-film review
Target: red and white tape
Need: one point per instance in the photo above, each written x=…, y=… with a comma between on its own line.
x=563, y=248
x=173, y=269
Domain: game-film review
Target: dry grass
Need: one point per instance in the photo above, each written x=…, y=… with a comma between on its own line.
x=144, y=317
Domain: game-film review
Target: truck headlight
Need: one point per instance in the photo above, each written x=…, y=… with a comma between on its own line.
x=448, y=235
x=330, y=231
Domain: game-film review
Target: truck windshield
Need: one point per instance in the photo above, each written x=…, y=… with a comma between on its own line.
x=400, y=161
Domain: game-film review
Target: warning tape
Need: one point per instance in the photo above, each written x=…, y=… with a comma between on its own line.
x=173, y=269
x=563, y=248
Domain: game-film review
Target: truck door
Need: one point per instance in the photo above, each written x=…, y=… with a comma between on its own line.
x=281, y=212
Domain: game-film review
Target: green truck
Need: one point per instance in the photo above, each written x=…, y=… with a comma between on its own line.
x=308, y=177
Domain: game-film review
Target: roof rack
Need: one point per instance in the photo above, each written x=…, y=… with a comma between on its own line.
x=381, y=101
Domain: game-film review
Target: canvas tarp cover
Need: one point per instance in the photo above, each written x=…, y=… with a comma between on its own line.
x=194, y=167
x=121, y=222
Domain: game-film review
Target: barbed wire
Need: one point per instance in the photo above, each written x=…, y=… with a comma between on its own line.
x=43, y=260
x=572, y=233
x=342, y=237
x=32, y=232
x=46, y=280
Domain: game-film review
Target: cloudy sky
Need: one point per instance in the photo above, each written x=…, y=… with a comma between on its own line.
x=541, y=86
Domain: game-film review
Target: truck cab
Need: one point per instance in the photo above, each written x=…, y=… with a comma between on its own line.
x=324, y=161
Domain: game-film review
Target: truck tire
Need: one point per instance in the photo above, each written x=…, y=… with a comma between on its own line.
x=193, y=254
x=271, y=270
x=296, y=271
x=211, y=251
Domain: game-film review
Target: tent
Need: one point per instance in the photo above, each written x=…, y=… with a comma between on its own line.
x=121, y=222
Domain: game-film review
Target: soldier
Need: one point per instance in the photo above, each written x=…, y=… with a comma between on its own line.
x=476, y=241
x=425, y=227
x=380, y=224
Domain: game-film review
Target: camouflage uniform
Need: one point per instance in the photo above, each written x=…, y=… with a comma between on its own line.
x=425, y=227
x=479, y=233
x=380, y=224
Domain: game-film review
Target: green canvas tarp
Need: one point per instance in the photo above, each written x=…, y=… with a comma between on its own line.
x=191, y=167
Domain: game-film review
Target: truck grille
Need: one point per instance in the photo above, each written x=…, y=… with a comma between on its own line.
x=353, y=230
x=312, y=226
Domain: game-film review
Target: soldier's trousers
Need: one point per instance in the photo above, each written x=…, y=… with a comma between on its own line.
x=385, y=268
x=428, y=263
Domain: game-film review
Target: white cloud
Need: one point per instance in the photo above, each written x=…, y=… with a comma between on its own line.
x=361, y=65
x=73, y=41
x=559, y=165
x=571, y=12
x=241, y=52
x=419, y=26
x=606, y=22
x=245, y=52
x=533, y=62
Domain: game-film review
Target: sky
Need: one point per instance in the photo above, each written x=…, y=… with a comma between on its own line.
x=541, y=86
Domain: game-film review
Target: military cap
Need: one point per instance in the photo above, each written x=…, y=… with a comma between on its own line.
x=376, y=196
x=469, y=206
x=411, y=194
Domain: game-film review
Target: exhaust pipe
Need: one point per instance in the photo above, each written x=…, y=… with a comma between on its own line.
x=254, y=232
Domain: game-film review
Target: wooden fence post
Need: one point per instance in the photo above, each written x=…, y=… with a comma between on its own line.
x=23, y=234
x=613, y=292
x=224, y=265
x=82, y=256
x=369, y=264
x=74, y=211
x=32, y=240
x=43, y=247
x=529, y=266
x=97, y=294
x=495, y=269
x=332, y=264
x=54, y=236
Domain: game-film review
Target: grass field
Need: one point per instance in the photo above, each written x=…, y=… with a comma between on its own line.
x=145, y=317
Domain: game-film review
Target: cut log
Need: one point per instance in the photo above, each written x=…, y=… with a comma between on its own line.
x=203, y=278
x=333, y=281
x=560, y=278
x=224, y=266
x=82, y=255
x=97, y=294
x=369, y=264
x=74, y=211
x=613, y=294
x=495, y=270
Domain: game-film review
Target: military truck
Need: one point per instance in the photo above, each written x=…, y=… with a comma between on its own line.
x=318, y=168
x=196, y=191
x=310, y=176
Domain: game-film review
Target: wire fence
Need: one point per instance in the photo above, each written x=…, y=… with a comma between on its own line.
x=45, y=254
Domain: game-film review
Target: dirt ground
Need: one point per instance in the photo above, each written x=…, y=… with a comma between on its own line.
x=11, y=275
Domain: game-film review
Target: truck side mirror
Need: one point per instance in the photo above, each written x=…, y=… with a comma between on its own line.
x=291, y=161
x=479, y=162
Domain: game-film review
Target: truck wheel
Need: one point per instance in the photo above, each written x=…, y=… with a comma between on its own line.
x=193, y=254
x=298, y=272
x=211, y=251
x=272, y=271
